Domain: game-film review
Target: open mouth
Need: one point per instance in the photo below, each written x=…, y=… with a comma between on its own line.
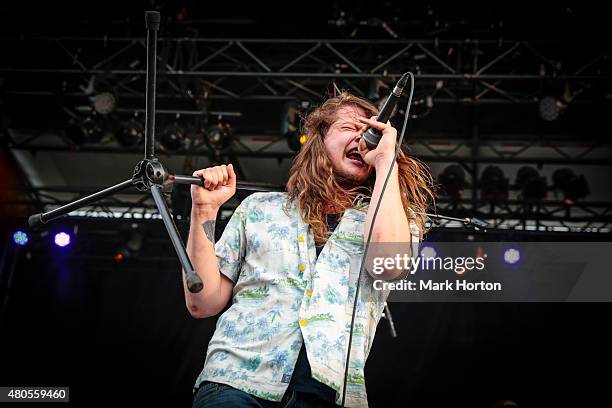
x=355, y=157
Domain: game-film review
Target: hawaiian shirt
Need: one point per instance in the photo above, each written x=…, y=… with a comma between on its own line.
x=284, y=295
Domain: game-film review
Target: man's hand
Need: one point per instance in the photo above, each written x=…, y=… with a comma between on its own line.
x=384, y=153
x=219, y=186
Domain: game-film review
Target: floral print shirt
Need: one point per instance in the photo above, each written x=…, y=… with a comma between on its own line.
x=284, y=295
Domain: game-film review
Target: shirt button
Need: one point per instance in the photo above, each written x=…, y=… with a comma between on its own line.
x=309, y=292
x=301, y=267
x=300, y=238
x=303, y=322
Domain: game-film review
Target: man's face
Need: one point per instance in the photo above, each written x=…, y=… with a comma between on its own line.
x=341, y=143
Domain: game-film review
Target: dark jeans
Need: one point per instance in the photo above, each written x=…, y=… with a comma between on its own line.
x=216, y=395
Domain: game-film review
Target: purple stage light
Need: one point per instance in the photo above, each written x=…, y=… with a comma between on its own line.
x=428, y=252
x=512, y=256
x=62, y=239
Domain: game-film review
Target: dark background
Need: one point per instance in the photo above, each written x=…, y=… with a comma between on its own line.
x=122, y=333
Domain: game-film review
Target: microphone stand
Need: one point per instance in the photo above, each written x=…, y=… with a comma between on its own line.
x=150, y=175
x=473, y=222
x=387, y=315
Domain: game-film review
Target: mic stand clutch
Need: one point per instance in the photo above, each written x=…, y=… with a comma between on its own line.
x=150, y=174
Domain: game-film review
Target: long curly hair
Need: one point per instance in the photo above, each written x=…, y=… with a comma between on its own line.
x=313, y=182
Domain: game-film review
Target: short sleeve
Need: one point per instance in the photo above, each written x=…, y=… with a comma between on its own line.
x=230, y=248
x=415, y=234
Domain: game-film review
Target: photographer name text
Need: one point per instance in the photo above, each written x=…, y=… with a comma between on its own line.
x=433, y=286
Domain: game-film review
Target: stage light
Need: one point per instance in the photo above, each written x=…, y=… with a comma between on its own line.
x=62, y=239
x=494, y=186
x=295, y=140
x=90, y=130
x=173, y=138
x=419, y=113
x=452, y=180
x=292, y=124
x=93, y=129
x=131, y=248
x=512, y=256
x=219, y=136
x=428, y=252
x=131, y=133
x=378, y=93
x=550, y=108
x=104, y=102
x=20, y=238
x=533, y=187
x=574, y=187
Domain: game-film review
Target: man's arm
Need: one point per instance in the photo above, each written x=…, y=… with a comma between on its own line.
x=201, y=250
x=391, y=224
x=219, y=186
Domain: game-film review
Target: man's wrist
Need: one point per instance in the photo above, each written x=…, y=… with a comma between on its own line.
x=383, y=164
x=204, y=212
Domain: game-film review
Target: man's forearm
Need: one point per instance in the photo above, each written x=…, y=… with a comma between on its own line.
x=201, y=251
x=391, y=221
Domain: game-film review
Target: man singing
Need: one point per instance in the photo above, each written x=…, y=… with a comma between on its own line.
x=290, y=263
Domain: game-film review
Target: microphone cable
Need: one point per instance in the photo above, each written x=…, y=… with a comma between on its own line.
x=365, y=252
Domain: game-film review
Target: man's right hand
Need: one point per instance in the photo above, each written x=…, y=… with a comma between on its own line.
x=219, y=186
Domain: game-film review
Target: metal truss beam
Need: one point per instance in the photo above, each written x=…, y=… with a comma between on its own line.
x=466, y=71
x=513, y=214
x=557, y=152
x=262, y=68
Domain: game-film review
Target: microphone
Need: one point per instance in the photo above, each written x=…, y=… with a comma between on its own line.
x=372, y=136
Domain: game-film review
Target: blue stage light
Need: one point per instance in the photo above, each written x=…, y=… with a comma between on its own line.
x=20, y=238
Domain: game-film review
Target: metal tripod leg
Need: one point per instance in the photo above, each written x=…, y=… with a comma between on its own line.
x=194, y=283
